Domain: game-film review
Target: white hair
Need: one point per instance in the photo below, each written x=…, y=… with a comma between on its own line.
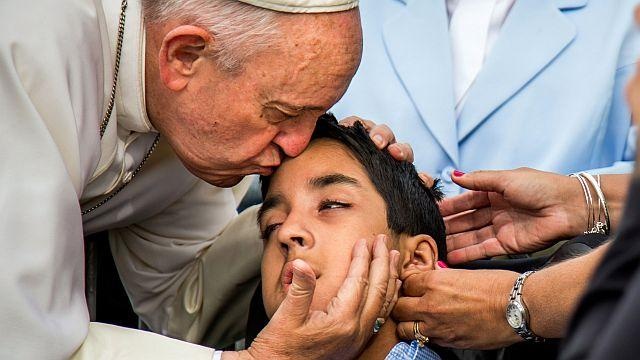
x=240, y=30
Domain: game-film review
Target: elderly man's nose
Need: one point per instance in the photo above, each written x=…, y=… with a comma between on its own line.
x=294, y=139
x=292, y=144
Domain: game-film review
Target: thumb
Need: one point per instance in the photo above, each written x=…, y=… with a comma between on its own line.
x=296, y=304
x=483, y=180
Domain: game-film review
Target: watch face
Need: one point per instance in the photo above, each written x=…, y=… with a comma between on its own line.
x=514, y=315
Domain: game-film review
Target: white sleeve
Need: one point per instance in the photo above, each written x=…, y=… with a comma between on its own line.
x=50, y=101
x=110, y=342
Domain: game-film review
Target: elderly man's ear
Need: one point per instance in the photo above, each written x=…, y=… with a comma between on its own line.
x=418, y=254
x=182, y=54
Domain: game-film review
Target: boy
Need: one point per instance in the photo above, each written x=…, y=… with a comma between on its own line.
x=339, y=190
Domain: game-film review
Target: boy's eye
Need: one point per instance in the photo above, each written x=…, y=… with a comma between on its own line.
x=266, y=233
x=333, y=204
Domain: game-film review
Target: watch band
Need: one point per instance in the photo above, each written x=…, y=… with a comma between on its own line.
x=516, y=296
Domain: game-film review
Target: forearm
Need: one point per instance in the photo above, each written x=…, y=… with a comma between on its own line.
x=551, y=294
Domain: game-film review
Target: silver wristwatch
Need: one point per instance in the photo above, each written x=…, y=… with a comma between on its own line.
x=517, y=313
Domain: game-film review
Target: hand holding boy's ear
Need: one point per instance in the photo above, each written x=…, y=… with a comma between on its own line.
x=457, y=308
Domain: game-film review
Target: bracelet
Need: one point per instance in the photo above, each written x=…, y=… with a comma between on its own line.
x=588, y=200
x=601, y=201
x=594, y=225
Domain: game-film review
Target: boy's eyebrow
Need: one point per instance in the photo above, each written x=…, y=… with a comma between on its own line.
x=333, y=179
x=317, y=182
x=269, y=203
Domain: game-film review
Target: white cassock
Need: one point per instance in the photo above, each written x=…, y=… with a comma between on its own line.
x=181, y=250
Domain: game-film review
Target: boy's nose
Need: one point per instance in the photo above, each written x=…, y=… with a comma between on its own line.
x=293, y=235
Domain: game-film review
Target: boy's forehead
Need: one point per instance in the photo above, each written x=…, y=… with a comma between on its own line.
x=321, y=155
x=321, y=158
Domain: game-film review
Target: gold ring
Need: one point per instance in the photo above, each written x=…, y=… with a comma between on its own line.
x=421, y=339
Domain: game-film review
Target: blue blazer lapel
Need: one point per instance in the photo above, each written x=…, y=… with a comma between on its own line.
x=533, y=35
x=417, y=42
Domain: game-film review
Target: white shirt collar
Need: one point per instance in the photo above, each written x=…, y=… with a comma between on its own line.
x=130, y=94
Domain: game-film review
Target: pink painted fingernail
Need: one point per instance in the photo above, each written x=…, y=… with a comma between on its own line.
x=442, y=264
x=457, y=173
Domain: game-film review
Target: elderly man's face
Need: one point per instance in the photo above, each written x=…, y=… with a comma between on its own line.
x=224, y=125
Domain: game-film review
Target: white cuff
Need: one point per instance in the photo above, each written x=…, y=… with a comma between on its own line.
x=217, y=355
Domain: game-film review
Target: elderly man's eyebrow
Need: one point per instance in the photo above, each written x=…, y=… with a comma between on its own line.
x=268, y=204
x=333, y=179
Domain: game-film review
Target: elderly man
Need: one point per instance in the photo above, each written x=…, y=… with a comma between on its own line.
x=108, y=111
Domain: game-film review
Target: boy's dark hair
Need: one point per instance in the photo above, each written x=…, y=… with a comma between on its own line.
x=412, y=207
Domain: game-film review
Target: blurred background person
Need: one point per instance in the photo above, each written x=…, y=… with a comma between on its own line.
x=500, y=84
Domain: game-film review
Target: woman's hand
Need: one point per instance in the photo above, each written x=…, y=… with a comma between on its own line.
x=510, y=212
x=344, y=328
x=458, y=308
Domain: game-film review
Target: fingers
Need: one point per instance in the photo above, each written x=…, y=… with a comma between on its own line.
x=484, y=249
x=379, y=278
x=485, y=180
x=396, y=296
x=393, y=286
x=406, y=308
x=349, y=121
x=351, y=296
x=383, y=137
x=464, y=202
x=469, y=238
x=401, y=152
x=405, y=330
x=426, y=179
x=472, y=220
x=296, y=304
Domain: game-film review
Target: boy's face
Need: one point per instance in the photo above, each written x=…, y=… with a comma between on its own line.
x=318, y=205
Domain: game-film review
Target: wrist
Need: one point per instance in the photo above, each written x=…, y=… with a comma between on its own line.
x=576, y=209
x=502, y=290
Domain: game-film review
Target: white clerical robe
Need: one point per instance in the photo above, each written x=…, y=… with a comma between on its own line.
x=181, y=250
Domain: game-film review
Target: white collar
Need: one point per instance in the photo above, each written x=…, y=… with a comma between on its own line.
x=130, y=94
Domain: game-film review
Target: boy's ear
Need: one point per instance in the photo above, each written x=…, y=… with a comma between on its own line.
x=419, y=253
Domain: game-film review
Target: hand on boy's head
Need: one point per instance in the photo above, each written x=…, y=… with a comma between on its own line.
x=383, y=137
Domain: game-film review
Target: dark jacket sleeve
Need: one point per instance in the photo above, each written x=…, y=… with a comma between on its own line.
x=606, y=322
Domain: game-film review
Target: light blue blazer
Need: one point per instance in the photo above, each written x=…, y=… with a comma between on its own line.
x=550, y=94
